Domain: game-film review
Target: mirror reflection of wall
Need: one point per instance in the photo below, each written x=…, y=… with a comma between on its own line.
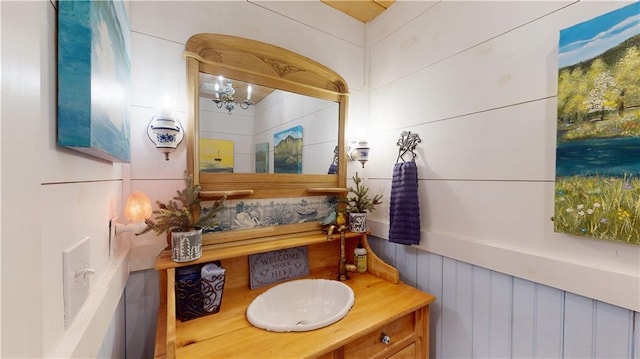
x=253, y=129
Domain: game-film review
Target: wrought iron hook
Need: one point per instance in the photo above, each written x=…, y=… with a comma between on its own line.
x=407, y=144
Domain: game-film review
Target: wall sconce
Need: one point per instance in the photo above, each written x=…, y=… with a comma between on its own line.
x=358, y=151
x=137, y=209
x=166, y=133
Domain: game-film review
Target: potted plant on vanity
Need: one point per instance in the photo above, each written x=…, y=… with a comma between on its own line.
x=177, y=217
x=358, y=203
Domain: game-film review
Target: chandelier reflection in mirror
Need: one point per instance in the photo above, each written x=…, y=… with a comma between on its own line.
x=225, y=96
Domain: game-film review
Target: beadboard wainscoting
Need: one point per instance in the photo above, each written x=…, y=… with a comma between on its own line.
x=131, y=333
x=481, y=313
x=113, y=344
x=142, y=297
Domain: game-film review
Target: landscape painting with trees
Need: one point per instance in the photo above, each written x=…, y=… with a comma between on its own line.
x=287, y=151
x=597, y=191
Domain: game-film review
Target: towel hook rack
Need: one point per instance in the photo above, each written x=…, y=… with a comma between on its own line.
x=407, y=144
x=333, y=167
x=335, y=156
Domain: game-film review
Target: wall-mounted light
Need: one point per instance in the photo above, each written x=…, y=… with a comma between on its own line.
x=166, y=133
x=137, y=210
x=138, y=207
x=358, y=151
x=224, y=96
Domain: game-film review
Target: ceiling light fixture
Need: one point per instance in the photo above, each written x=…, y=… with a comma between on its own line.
x=225, y=96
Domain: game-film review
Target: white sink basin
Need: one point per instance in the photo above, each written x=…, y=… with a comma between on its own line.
x=301, y=305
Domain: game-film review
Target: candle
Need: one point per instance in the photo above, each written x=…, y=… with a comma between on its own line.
x=248, y=92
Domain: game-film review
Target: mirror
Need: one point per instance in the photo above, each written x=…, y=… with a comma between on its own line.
x=266, y=122
x=287, y=76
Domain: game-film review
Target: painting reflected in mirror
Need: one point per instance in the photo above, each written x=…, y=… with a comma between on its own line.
x=278, y=132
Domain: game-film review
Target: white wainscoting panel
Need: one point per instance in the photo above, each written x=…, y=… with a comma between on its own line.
x=612, y=326
x=457, y=309
x=548, y=332
x=491, y=313
x=430, y=280
x=408, y=267
x=579, y=319
x=635, y=343
x=113, y=344
x=142, y=302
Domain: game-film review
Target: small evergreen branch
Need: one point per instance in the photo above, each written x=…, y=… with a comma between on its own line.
x=207, y=215
x=180, y=213
x=360, y=201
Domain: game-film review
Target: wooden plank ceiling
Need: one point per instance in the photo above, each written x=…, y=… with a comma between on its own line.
x=363, y=10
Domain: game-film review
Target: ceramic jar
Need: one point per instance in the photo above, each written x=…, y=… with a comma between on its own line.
x=358, y=222
x=186, y=246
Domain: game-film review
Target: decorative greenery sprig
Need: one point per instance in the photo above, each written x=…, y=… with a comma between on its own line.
x=360, y=201
x=181, y=217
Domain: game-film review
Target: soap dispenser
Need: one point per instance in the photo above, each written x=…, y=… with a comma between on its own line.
x=360, y=256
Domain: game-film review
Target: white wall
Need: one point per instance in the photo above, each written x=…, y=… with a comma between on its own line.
x=478, y=82
x=51, y=199
x=238, y=127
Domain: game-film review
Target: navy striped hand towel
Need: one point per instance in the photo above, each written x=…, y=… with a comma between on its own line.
x=404, y=211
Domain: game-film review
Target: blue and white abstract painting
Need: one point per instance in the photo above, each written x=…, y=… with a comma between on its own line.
x=93, y=78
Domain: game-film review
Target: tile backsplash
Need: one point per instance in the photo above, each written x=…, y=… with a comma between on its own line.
x=244, y=214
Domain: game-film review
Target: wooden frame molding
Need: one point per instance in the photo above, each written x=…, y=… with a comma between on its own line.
x=271, y=66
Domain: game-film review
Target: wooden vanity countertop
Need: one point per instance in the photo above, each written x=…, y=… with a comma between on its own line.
x=228, y=334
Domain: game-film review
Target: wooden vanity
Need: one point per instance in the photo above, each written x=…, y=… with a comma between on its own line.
x=383, y=306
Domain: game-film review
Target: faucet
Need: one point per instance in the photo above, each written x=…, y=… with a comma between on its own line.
x=342, y=263
x=330, y=230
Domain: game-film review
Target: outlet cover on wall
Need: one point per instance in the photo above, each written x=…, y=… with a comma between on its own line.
x=76, y=278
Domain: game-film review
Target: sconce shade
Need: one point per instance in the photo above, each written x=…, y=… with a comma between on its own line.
x=138, y=207
x=363, y=153
x=166, y=133
x=359, y=151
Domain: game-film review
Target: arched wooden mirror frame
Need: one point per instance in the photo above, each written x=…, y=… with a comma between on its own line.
x=271, y=66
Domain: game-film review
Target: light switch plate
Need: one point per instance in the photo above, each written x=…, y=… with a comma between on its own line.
x=76, y=279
